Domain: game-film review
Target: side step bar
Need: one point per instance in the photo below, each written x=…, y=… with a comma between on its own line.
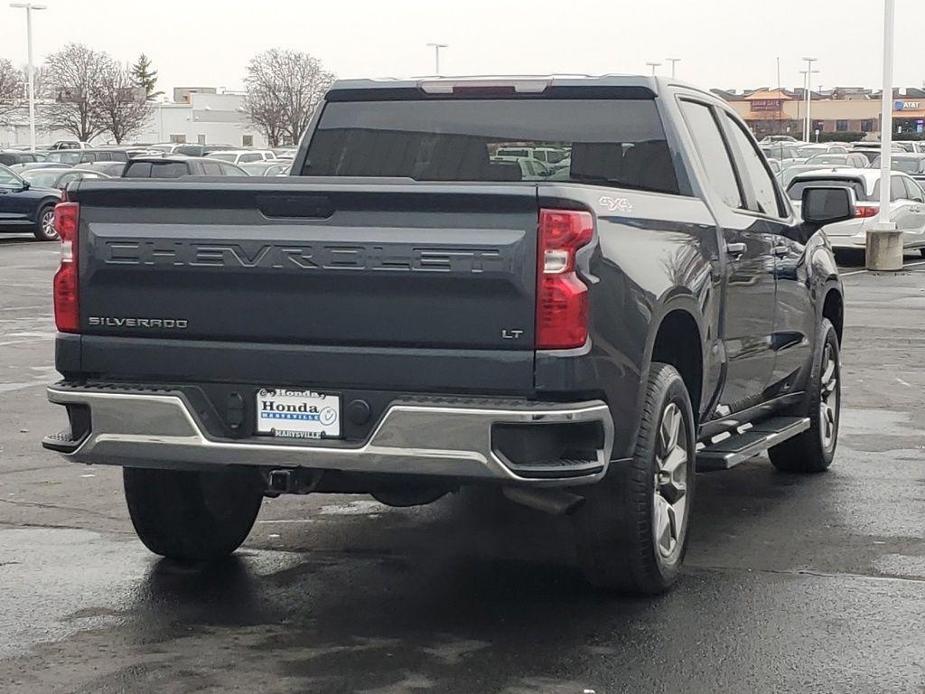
x=749, y=442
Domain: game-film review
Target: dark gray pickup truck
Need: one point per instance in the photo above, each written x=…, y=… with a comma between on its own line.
x=578, y=289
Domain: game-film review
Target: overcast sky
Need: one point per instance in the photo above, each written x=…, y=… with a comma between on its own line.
x=722, y=43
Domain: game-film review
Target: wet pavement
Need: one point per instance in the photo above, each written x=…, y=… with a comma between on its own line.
x=792, y=583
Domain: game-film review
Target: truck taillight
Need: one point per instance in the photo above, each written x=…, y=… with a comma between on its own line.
x=67, y=314
x=866, y=211
x=561, y=297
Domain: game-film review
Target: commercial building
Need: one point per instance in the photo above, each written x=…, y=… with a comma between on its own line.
x=197, y=114
x=843, y=109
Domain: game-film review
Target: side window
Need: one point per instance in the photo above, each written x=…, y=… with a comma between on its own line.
x=765, y=194
x=897, y=189
x=211, y=168
x=8, y=179
x=914, y=190
x=231, y=170
x=713, y=153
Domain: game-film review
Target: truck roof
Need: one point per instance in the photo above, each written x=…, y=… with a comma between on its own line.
x=498, y=85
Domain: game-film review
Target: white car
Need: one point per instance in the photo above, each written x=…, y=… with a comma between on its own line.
x=242, y=156
x=907, y=205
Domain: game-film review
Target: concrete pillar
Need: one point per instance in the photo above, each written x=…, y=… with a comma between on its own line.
x=884, y=249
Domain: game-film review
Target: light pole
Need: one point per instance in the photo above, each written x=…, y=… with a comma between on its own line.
x=653, y=66
x=674, y=62
x=28, y=7
x=884, y=249
x=437, y=47
x=809, y=88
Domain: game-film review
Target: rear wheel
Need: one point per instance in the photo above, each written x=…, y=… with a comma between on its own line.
x=814, y=449
x=45, y=224
x=632, y=528
x=192, y=515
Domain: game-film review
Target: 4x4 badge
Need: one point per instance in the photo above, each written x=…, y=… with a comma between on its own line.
x=616, y=204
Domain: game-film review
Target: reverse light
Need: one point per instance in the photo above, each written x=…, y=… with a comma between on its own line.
x=67, y=313
x=561, y=296
x=866, y=211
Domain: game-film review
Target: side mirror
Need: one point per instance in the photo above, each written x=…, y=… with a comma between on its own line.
x=26, y=185
x=827, y=205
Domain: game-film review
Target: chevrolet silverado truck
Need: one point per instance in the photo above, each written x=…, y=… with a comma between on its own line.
x=410, y=313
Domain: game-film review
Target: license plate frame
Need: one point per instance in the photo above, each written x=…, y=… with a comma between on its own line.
x=298, y=413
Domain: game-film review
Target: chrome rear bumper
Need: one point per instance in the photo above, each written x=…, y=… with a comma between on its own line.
x=451, y=437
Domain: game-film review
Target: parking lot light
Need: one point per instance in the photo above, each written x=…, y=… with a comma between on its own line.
x=884, y=248
x=28, y=7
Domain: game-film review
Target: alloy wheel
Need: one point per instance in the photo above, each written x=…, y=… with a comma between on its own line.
x=828, y=398
x=670, y=502
x=48, y=224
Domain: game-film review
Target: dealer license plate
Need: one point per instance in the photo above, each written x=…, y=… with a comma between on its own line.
x=298, y=414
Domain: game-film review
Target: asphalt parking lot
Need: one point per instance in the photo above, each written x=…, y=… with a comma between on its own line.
x=812, y=584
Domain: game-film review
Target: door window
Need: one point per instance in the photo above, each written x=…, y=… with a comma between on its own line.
x=913, y=190
x=766, y=200
x=713, y=153
x=8, y=179
x=897, y=189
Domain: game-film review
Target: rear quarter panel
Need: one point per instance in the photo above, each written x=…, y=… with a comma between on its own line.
x=654, y=254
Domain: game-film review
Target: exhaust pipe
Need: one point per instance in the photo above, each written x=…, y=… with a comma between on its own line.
x=553, y=501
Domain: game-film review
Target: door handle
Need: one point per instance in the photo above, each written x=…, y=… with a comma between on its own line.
x=736, y=249
x=781, y=251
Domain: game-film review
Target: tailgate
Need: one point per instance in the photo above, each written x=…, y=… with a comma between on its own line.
x=299, y=262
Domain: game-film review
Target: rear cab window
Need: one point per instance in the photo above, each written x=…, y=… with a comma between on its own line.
x=609, y=141
x=147, y=169
x=795, y=191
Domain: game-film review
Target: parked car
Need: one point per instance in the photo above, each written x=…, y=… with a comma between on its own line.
x=19, y=168
x=775, y=166
x=59, y=178
x=112, y=169
x=786, y=153
x=548, y=156
x=807, y=151
x=242, y=156
x=72, y=157
x=270, y=167
x=284, y=152
x=14, y=157
x=791, y=172
x=768, y=139
x=70, y=144
x=912, y=164
x=907, y=205
x=852, y=159
x=571, y=343
x=528, y=169
x=177, y=166
x=24, y=208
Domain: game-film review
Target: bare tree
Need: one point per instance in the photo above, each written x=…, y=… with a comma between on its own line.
x=283, y=90
x=120, y=106
x=11, y=88
x=77, y=74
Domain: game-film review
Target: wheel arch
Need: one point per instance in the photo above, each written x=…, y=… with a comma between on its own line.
x=833, y=308
x=677, y=338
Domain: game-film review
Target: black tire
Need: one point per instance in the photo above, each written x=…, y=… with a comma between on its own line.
x=814, y=449
x=44, y=230
x=192, y=516
x=617, y=525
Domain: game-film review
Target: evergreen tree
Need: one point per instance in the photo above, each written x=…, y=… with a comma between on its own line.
x=144, y=76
